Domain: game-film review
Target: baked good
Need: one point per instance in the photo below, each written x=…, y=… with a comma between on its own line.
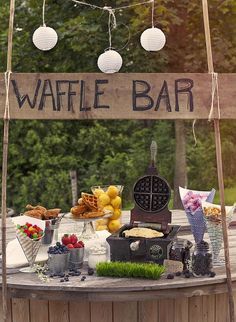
x=90, y=200
x=78, y=210
x=142, y=232
x=34, y=213
x=52, y=213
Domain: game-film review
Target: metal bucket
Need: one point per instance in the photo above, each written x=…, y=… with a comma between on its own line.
x=58, y=263
x=76, y=258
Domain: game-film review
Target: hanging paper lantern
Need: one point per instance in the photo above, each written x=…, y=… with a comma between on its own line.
x=45, y=38
x=110, y=62
x=153, y=39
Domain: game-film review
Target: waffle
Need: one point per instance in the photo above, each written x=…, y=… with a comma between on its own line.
x=90, y=214
x=78, y=210
x=90, y=200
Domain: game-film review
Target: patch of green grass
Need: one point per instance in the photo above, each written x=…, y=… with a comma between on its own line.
x=230, y=196
x=127, y=269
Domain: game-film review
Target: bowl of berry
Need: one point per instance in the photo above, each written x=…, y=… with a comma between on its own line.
x=58, y=259
x=76, y=250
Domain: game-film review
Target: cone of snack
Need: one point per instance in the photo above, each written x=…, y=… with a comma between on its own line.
x=109, y=200
x=213, y=219
x=29, y=232
x=192, y=202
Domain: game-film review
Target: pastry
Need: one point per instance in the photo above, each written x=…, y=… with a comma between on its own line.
x=142, y=232
x=34, y=213
x=78, y=210
x=52, y=213
x=90, y=200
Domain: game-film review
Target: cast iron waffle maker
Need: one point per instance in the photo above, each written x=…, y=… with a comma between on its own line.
x=151, y=195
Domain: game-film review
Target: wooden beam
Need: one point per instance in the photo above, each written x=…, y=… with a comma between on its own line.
x=219, y=165
x=119, y=96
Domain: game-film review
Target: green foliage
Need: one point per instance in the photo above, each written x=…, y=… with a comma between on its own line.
x=133, y=270
x=41, y=153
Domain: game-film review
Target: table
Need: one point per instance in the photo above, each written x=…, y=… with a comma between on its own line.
x=122, y=300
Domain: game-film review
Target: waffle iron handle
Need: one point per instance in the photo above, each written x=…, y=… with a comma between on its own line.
x=153, y=149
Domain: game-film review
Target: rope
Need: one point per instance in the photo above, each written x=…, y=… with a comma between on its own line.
x=153, y=7
x=214, y=92
x=194, y=133
x=113, y=9
x=7, y=76
x=43, y=12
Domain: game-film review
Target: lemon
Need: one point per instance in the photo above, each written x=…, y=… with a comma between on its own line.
x=101, y=222
x=116, y=202
x=97, y=192
x=108, y=208
x=104, y=199
x=114, y=225
x=116, y=215
x=101, y=227
x=112, y=191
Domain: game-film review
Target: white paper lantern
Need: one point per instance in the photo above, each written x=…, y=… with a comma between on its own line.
x=110, y=62
x=45, y=38
x=153, y=39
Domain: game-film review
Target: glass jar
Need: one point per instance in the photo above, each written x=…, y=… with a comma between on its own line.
x=96, y=255
x=180, y=251
x=201, y=259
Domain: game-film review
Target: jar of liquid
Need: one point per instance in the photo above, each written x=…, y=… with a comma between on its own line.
x=97, y=254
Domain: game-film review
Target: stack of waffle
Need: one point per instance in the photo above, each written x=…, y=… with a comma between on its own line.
x=87, y=207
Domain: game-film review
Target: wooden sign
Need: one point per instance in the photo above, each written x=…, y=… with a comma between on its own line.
x=118, y=96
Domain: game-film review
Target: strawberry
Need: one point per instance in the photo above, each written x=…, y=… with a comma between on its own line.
x=81, y=243
x=78, y=245
x=73, y=239
x=66, y=239
x=69, y=246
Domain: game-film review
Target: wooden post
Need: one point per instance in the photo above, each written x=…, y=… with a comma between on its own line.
x=74, y=189
x=219, y=166
x=4, y=161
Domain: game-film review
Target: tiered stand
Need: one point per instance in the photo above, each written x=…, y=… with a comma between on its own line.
x=120, y=96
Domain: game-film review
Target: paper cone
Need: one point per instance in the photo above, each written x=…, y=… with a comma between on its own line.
x=214, y=227
x=196, y=219
x=29, y=246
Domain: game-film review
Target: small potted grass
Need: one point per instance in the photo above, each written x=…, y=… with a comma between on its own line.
x=130, y=270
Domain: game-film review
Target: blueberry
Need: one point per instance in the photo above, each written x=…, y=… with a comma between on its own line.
x=212, y=274
x=67, y=275
x=51, y=275
x=178, y=274
x=77, y=274
x=66, y=279
x=187, y=275
x=62, y=280
x=62, y=275
x=72, y=274
x=90, y=271
x=58, y=244
x=170, y=276
x=82, y=279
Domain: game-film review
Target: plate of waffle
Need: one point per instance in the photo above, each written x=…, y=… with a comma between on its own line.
x=87, y=209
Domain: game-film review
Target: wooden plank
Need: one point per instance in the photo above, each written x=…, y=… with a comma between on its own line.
x=222, y=308
x=39, y=311
x=166, y=310
x=9, y=313
x=58, y=311
x=117, y=96
x=79, y=311
x=195, y=309
x=125, y=312
x=181, y=310
x=147, y=311
x=208, y=308
x=20, y=310
x=101, y=311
